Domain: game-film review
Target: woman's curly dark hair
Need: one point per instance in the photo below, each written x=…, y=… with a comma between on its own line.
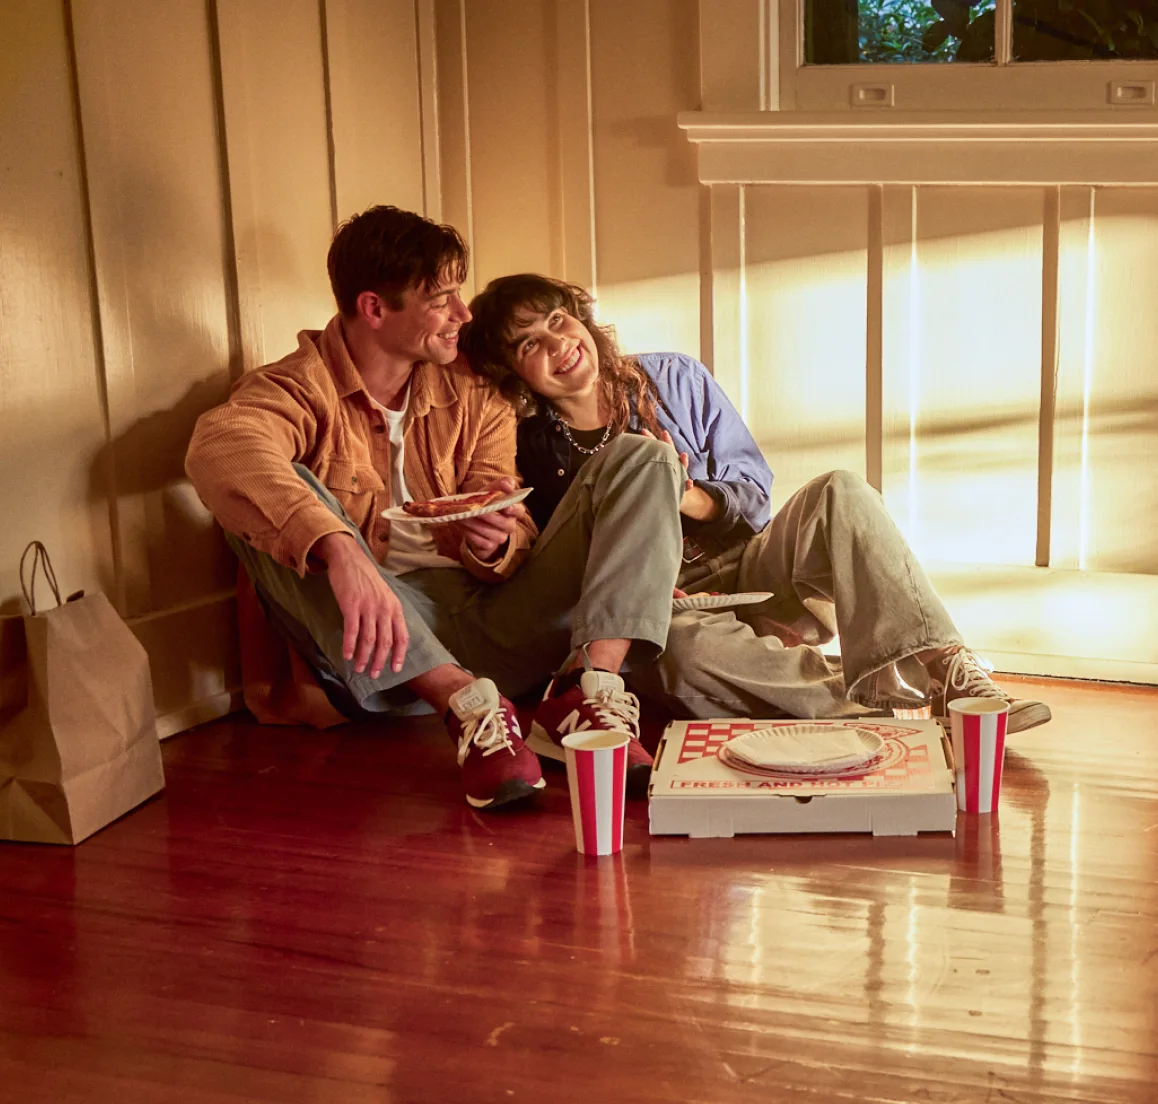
x=510, y=302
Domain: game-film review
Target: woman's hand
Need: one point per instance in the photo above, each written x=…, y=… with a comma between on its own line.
x=665, y=437
x=696, y=503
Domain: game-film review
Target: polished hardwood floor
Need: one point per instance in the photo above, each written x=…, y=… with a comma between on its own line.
x=318, y=917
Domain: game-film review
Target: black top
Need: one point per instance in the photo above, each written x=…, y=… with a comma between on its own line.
x=548, y=462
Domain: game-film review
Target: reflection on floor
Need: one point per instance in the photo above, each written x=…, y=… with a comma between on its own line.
x=319, y=917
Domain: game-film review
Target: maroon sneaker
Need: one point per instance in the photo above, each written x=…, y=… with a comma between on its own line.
x=497, y=767
x=598, y=702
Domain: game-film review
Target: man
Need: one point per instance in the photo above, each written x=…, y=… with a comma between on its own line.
x=301, y=462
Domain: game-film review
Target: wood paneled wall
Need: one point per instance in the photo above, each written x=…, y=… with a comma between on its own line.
x=561, y=154
x=171, y=177
x=172, y=174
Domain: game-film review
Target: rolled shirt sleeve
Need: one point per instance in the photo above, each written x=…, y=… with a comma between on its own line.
x=723, y=457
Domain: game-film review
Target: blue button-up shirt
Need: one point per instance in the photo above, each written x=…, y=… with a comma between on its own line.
x=723, y=458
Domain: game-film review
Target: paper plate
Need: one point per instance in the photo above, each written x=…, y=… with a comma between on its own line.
x=806, y=748
x=396, y=513
x=719, y=601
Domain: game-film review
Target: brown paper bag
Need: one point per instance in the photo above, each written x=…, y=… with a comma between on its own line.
x=84, y=750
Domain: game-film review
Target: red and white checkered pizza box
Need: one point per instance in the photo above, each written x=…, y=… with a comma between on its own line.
x=907, y=789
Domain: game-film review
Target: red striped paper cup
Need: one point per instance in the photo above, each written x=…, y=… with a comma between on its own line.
x=978, y=728
x=597, y=773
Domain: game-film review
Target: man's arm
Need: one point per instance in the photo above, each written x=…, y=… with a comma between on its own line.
x=374, y=626
x=240, y=460
x=241, y=463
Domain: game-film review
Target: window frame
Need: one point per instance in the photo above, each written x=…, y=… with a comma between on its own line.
x=1125, y=87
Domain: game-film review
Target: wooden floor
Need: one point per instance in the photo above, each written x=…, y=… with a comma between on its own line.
x=319, y=917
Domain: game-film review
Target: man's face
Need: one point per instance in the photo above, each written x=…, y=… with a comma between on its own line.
x=426, y=326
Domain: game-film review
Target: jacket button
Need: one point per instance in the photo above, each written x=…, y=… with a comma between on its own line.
x=558, y=428
x=562, y=472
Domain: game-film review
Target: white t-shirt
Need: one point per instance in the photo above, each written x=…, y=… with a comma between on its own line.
x=411, y=545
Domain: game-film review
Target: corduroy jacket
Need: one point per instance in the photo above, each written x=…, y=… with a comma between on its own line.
x=312, y=408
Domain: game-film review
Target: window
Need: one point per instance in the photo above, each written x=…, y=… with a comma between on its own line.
x=968, y=54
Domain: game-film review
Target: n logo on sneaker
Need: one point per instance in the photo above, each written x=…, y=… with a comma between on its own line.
x=572, y=723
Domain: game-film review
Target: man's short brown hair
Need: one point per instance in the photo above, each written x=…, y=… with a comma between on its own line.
x=387, y=250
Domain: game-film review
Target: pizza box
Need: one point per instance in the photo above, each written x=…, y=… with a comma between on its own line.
x=694, y=793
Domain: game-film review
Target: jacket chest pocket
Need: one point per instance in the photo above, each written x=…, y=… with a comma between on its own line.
x=355, y=486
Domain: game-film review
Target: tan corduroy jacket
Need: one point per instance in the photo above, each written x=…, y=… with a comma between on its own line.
x=312, y=408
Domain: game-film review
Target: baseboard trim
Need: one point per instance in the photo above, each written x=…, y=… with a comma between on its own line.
x=189, y=716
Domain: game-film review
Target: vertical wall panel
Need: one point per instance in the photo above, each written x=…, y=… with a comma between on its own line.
x=51, y=411
x=454, y=123
x=1075, y=332
x=647, y=207
x=427, y=31
x=899, y=356
x=735, y=42
x=375, y=104
x=513, y=70
x=1120, y=486
x=159, y=247
x=279, y=176
x=576, y=142
x=805, y=279
x=727, y=356
x=973, y=390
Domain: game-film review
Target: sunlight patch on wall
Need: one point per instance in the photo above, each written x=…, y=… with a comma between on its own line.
x=806, y=355
x=659, y=315
x=961, y=396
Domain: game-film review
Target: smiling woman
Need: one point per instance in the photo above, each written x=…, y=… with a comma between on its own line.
x=830, y=561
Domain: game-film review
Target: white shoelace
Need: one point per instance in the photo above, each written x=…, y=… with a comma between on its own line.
x=969, y=673
x=487, y=731
x=618, y=710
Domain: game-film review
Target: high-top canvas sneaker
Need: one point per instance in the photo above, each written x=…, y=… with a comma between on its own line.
x=966, y=675
x=497, y=767
x=598, y=702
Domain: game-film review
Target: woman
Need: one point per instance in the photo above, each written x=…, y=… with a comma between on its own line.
x=832, y=558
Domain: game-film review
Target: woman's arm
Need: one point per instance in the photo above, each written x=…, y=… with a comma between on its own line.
x=724, y=462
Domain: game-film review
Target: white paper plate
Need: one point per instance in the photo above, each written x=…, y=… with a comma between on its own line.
x=806, y=748
x=396, y=513
x=719, y=601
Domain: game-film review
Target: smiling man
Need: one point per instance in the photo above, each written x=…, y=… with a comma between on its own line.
x=301, y=463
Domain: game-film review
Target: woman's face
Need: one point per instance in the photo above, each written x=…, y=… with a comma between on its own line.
x=555, y=356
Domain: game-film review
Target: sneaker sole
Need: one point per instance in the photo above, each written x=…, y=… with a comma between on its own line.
x=514, y=789
x=542, y=744
x=1019, y=719
x=1028, y=717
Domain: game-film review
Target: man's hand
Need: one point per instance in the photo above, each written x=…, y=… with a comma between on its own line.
x=485, y=535
x=375, y=628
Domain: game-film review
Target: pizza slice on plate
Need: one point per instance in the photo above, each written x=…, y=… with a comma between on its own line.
x=456, y=504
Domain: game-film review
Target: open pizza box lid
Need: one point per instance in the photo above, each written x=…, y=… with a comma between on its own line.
x=907, y=788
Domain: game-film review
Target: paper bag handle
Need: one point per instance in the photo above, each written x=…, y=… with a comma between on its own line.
x=40, y=563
